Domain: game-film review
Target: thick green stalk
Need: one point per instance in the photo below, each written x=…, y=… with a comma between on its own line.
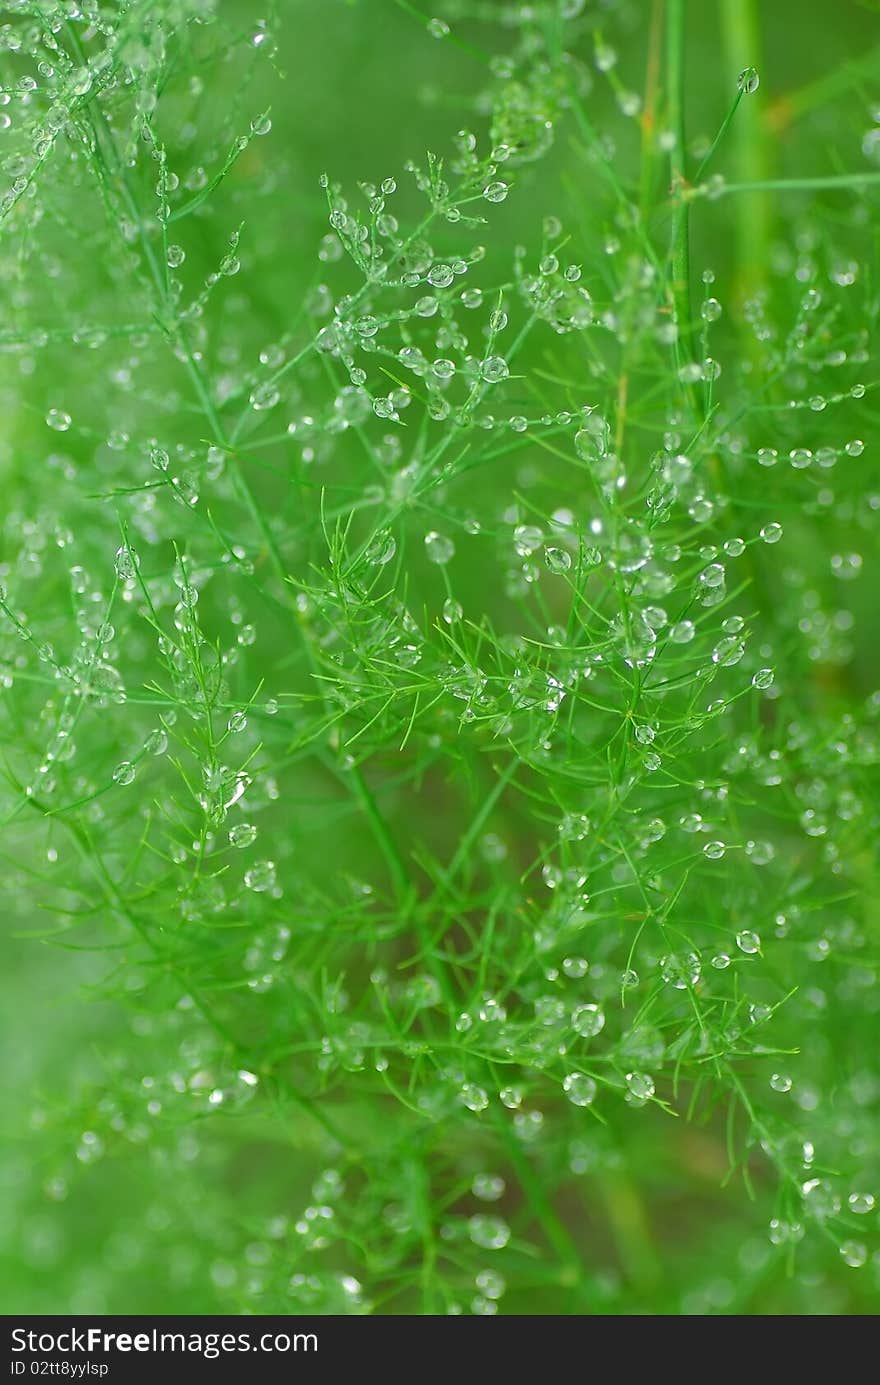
x=679, y=252
x=649, y=113
x=741, y=40
x=831, y=183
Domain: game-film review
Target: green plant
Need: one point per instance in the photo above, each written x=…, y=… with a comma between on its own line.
x=439, y=743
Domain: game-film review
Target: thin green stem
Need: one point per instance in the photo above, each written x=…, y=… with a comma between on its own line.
x=725, y=125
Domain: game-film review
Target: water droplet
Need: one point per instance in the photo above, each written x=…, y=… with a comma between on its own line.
x=854, y=1254
x=176, y=256
x=557, y=559
x=771, y=533
x=785, y=1233
x=242, y=834
x=580, y=1089
x=490, y=1233
x=265, y=396
x=90, y=1147
x=763, y=678
x=488, y=1187
x=780, y=1082
x=526, y=539
x=593, y=439
x=440, y=276
x=861, y=1203
x=574, y=827
x=821, y=1198
x=713, y=575
x=588, y=1020
x=471, y=297
x=634, y=637
x=495, y=192
x=124, y=773
x=127, y=563
x=491, y=1283
x=59, y=420
x=381, y=549
x=748, y=942
x=640, y=1086
x=748, y=81
x=491, y=1011
x=260, y=877
x=439, y=548
x=473, y=1097
x=494, y=369
x=714, y=850
x=452, y=611
x=328, y=1186
x=681, y=970
x=438, y=28
x=511, y=1097
x=575, y=967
